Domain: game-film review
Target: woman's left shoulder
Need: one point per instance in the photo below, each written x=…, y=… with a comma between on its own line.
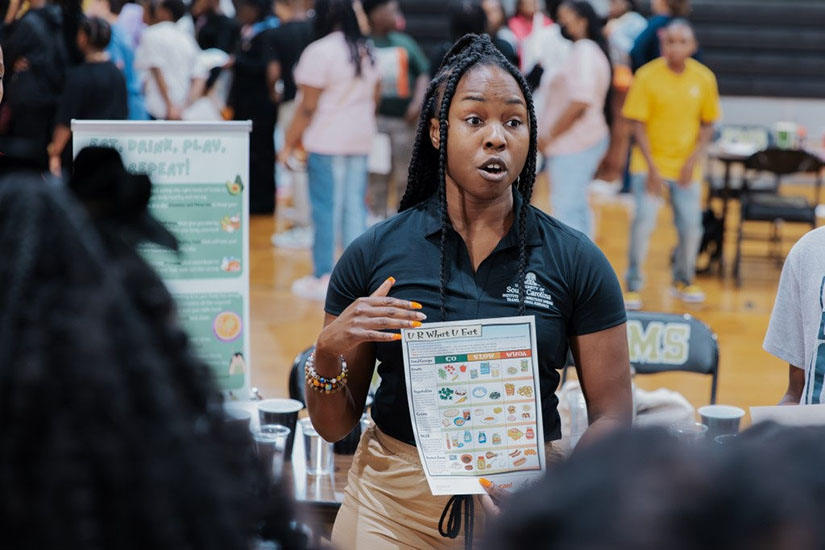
x=557, y=235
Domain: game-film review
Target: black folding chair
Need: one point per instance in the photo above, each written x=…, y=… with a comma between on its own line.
x=771, y=207
x=297, y=388
x=664, y=342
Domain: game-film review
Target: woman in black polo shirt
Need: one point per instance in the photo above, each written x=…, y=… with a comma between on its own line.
x=466, y=245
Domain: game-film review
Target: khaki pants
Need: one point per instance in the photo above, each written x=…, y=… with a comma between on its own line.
x=388, y=504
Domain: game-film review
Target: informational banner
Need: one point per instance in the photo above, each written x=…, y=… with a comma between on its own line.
x=473, y=392
x=200, y=175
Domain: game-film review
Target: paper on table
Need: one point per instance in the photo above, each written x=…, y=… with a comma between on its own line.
x=473, y=392
x=790, y=415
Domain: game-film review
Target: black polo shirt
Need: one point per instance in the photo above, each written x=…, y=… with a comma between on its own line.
x=571, y=289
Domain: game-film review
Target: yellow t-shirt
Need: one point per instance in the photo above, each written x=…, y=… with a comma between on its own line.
x=673, y=106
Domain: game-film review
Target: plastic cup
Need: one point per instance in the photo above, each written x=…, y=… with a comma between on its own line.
x=237, y=417
x=721, y=419
x=689, y=432
x=283, y=412
x=725, y=439
x=319, y=457
x=270, y=446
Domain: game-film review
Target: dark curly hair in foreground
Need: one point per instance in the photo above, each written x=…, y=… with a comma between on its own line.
x=111, y=432
x=644, y=490
x=428, y=166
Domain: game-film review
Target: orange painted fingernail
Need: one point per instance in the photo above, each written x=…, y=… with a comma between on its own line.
x=416, y=305
x=391, y=279
x=415, y=324
x=396, y=336
x=486, y=483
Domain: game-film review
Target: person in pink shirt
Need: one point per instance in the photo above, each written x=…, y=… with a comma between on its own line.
x=338, y=83
x=574, y=135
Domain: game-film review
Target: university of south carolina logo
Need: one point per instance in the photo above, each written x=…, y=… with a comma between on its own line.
x=534, y=294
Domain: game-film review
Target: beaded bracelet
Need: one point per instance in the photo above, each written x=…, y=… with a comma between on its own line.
x=322, y=384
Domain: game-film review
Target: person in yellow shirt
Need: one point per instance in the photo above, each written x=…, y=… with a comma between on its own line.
x=672, y=105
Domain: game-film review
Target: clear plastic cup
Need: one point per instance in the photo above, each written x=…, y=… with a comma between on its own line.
x=270, y=445
x=319, y=456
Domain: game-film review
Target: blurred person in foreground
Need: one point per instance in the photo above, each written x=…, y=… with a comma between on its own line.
x=796, y=333
x=112, y=434
x=405, y=72
x=574, y=133
x=672, y=104
x=759, y=492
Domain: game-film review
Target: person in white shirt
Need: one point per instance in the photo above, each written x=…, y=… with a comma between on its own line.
x=796, y=333
x=168, y=57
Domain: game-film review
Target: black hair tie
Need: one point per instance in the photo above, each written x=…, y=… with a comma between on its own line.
x=453, y=508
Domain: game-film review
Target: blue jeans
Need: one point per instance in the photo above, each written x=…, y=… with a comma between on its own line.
x=337, y=192
x=569, y=177
x=687, y=217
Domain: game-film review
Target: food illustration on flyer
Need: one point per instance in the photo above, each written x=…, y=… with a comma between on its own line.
x=473, y=394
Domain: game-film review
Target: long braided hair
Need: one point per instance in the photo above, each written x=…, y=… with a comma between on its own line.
x=111, y=431
x=428, y=166
x=339, y=15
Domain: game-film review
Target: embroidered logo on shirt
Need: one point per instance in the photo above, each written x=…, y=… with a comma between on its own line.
x=534, y=294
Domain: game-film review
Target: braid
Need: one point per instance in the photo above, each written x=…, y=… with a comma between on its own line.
x=413, y=176
x=449, y=91
x=428, y=166
x=133, y=434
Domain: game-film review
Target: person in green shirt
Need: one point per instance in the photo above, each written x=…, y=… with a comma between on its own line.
x=404, y=76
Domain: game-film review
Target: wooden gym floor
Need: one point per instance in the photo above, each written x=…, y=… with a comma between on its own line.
x=283, y=325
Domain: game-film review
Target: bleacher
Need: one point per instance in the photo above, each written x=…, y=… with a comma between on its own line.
x=773, y=48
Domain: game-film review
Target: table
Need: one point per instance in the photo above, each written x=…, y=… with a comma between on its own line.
x=728, y=158
x=317, y=498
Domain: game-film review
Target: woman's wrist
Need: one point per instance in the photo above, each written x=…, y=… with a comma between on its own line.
x=327, y=358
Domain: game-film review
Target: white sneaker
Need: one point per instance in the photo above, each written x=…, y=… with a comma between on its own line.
x=297, y=238
x=311, y=288
x=691, y=294
x=632, y=301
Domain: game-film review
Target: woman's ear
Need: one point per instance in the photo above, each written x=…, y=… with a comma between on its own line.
x=435, y=134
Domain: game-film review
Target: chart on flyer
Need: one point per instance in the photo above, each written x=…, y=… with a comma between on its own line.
x=473, y=392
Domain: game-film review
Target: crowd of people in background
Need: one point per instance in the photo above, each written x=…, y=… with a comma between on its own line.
x=252, y=60
x=131, y=448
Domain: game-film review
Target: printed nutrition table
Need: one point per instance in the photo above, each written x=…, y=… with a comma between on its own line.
x=472, y=387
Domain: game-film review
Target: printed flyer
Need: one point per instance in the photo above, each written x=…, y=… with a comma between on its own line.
x=200, y=174
x=473, y=392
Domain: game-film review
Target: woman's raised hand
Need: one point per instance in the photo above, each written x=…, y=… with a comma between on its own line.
x=366, y=318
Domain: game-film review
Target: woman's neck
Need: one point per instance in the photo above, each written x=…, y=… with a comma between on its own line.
x=480, y=223
x=469, y=215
